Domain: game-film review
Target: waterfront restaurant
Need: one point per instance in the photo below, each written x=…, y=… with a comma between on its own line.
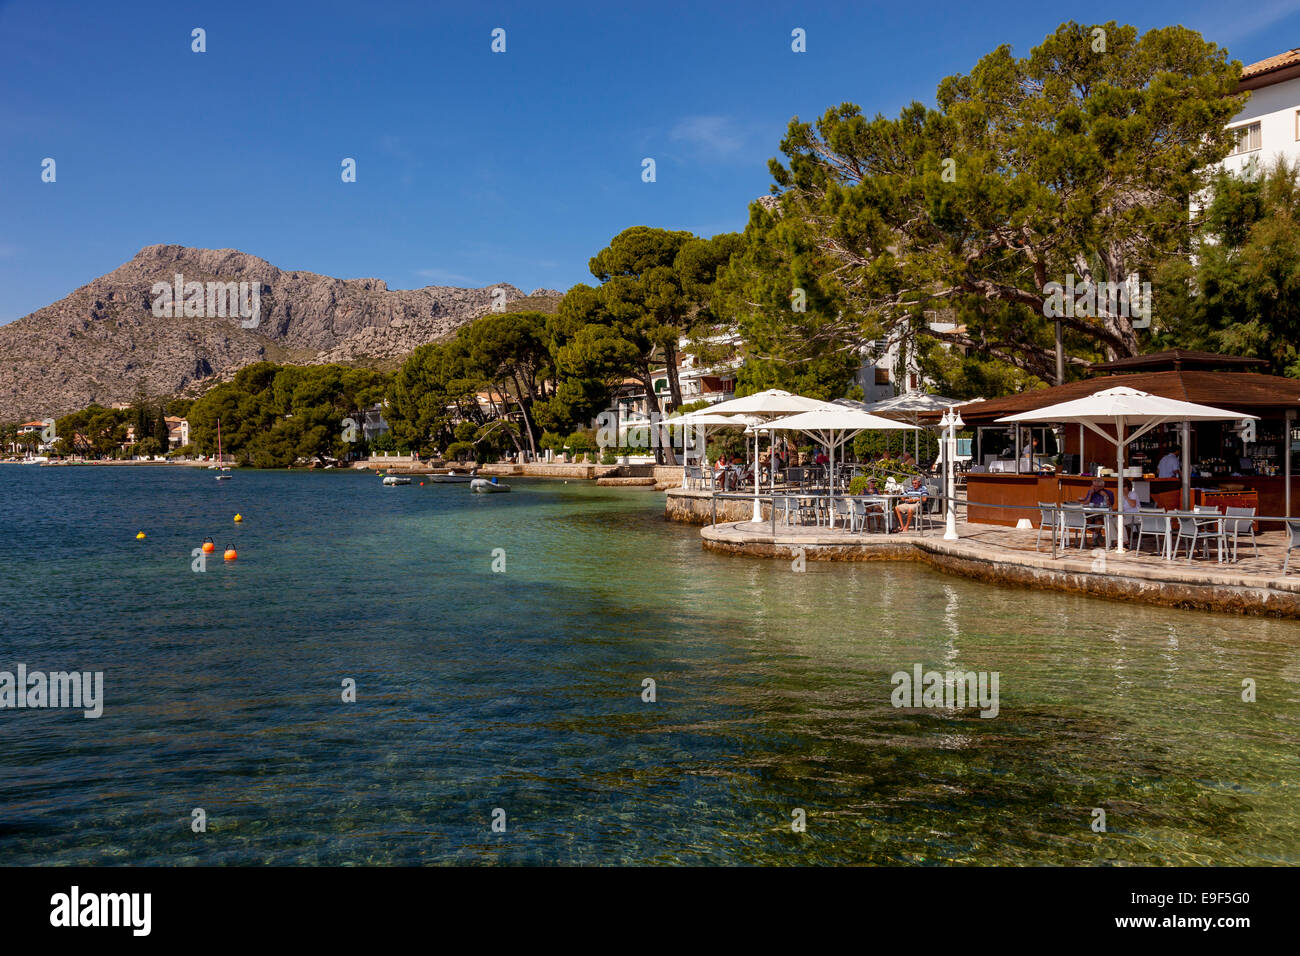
x=1243, y=464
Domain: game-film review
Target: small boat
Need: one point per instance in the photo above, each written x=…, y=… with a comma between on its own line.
x=451, y=478
x=223, y=477
x=483, y=487
x=395, y=480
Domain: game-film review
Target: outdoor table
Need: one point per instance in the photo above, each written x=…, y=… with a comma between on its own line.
x=887, y=501
x=1090, y=513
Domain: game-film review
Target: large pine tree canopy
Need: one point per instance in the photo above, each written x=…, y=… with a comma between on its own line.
x=1077, y=160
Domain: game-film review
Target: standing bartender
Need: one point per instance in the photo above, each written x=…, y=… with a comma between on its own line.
x=1170, y=466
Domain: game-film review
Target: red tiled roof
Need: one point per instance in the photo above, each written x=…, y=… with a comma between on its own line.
x=1278, y=62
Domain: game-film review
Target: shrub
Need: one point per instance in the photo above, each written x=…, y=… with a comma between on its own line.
x=460, y=451
x=580, y=442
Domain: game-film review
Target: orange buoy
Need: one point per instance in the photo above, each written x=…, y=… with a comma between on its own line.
x=208, y=546
x=230, y=554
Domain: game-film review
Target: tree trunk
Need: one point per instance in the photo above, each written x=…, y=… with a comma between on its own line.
x=663, y=454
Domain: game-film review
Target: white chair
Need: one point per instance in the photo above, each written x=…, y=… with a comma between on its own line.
x=843, y=510
x=1154, y=523
x=1235, y=525
x=1293, y=540
x=1074, y=520
x=785, y=507
x=1194, y=530
x=1046, y=520
x=866, y=513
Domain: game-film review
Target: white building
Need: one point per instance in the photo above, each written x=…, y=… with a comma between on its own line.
x=888, y=369
x=1268, y=128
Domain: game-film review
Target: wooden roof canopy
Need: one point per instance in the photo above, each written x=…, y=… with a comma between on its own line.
x=1176, y=360
x=1187, y=376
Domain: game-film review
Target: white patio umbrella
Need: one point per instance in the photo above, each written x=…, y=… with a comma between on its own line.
x=706, y=422
x=1122, y=407
x=832, y=426
x=909, y=407
x=769, y=404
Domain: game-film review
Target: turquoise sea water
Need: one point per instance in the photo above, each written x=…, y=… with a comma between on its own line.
x=522, y=691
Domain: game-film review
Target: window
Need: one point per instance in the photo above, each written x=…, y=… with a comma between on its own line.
x=1297, y=124
x=1248, y=138
x=882, y=376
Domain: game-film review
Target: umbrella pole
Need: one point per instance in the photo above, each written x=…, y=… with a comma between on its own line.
x=830, y=488
x=1119, y=486
x=758, y=511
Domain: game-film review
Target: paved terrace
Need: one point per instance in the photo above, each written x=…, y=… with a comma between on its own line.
x=1254, y=585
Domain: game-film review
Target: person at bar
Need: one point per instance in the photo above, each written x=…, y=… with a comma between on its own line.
x=1170, y=466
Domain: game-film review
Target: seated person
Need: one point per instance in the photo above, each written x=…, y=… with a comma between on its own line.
x=913, y=499
x=1128, y=502
x=1097, y=496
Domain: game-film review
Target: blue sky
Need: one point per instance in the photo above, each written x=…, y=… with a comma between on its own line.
x=472, y=167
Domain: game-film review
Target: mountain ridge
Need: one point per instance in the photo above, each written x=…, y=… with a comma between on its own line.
x=106, y=342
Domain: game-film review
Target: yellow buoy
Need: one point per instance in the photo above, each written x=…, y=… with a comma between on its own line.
x=239, y=517
x=140, y=536
x=230, y=554
x=208, y=546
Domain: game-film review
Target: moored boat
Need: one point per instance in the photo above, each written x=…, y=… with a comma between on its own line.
x=450, y=477
x=396, y=480
x=483, y=486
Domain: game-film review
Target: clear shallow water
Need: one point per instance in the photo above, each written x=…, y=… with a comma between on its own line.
x=521, y=690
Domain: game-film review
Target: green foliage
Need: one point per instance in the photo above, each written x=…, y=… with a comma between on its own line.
x=858, y=485
x=1242, y=294
x=1067, y=161
x=274, y=415
x=891, y=445
x=460, y=451
x=95, y=431
x=581, y=442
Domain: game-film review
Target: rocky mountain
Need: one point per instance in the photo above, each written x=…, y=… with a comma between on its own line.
x=122, y=334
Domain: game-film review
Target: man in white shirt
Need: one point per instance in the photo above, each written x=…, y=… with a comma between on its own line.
x=1170, y=466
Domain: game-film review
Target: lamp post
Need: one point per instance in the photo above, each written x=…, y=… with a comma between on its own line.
x=951, y=421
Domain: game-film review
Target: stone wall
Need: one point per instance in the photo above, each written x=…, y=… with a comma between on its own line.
x=696, y=507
